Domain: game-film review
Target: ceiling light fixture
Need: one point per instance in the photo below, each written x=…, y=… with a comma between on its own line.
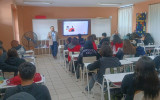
x=129, y=5
x=34, y=2
x=109, y=4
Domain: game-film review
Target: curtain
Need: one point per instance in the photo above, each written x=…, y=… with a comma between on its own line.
x=125, y=20
x=154, y=22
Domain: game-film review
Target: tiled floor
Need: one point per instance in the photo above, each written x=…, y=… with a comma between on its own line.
x=62, y=84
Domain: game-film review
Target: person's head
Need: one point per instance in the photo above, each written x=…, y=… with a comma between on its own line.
x=75, y=41
x=94, y=36
x=104, y=35
x=128, y=48
x=116, y=39
x=90, y=38
x=146, y=77
x=27, y=71
x=106, y=51
x=14, y=43
x=12, y=53
x=1, y=51
x=69, y=39
x=79, y=36
x=52, y=28
x=88, y=45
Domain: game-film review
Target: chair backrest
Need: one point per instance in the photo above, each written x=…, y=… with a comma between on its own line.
x=70, y=53
x=89, y=59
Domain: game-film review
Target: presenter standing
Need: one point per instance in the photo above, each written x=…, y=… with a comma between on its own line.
x=53, y=38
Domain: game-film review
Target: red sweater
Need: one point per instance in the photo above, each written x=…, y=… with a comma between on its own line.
x=75, y=49
x=94, y=46
x=117, y=45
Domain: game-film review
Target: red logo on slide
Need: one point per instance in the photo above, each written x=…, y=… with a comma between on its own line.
x=70, y=29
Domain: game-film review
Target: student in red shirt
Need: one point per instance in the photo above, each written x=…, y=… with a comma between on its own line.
x=74, y=47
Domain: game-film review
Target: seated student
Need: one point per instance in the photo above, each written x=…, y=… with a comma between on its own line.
x=20, y=49
x=74, y=47
x=69, y=39
x=115, y=33
x=91, y=38
x=147, y=39
x=81, y=40
x=107, y=61
x=3, y=66
x=26, y=73
x=13, y=58
x=117, y=46
x=88, y=51
x=128, y=49
x=145, y=78
x=140, y=51
x=104, y=38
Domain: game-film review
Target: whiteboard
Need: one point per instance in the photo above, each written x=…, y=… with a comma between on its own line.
x=99, y=26
x=42, y=26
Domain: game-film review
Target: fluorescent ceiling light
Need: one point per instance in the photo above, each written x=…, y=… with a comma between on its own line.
x=126, y=5
x=34, y=2
x=109, y=4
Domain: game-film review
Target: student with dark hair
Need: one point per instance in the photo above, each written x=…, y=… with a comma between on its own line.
x=69, y=40
x=88, y=51
x=26, y=73
x=107, y=61
x=91, y=38
x=148, y=39
x=4, y=66
x=81, y=40
x=75, y=47
x=128, y=49
x=13, y=58
x=144, y=79
x=20, y=49
x=104, y=38
x=117, y=46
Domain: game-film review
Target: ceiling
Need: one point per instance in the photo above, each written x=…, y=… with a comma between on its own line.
x=77, y=3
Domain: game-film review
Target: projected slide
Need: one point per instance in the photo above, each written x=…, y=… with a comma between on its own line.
x=75, y=27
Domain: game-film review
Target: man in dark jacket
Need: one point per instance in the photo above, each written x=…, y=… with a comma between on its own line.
x=3, y=66
x=104, y=38
x=107, y=61
x=26, y=73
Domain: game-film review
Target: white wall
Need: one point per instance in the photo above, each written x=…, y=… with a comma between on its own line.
x=99, y=26
x=42, y=26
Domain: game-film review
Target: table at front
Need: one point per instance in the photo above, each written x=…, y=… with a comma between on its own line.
x=114, y=78
x=123, y=63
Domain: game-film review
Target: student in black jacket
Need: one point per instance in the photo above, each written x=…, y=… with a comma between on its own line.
x=104, y=38
x=13, y=58
x=88, y=51
x=4, y=66
x=107, y=61
x=145, y=78
x=26, y=73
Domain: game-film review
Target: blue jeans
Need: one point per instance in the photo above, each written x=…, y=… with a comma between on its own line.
x=91, y=82
x=54, y=48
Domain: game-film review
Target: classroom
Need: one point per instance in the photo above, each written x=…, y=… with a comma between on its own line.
x=79, y=50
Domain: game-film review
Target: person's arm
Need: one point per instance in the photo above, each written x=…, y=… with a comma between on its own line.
x=49, y=35
x=94, y=65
